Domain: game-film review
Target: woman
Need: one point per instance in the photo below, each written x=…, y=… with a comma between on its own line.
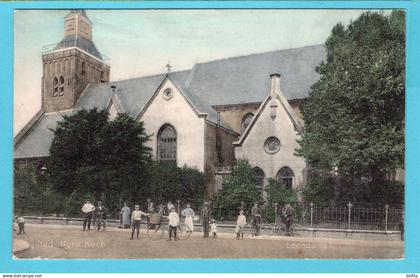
x=125, y=214
x=188, y=213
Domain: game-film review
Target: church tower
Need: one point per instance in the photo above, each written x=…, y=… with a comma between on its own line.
x=72, y=64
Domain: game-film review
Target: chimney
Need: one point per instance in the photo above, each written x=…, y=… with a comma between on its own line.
x=275, y=85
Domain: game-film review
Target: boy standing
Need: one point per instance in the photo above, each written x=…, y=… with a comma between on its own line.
x=135, y=220
x=173, y=223
x=240, y=225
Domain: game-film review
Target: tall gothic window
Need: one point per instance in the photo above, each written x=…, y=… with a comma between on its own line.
x=259, y=177
x=55, y=87
x=246, y=120
x=285, y=177
x=61, y=88
x=166, y=146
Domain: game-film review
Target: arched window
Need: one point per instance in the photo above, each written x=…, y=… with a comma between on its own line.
x=259, y=177
x=55, y=87
x=246, y=120
x=285, y=177
x=61, y=88
x=83, y=68
x=166, y=145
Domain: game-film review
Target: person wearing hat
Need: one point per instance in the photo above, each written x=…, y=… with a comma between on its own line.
x=136, y=220
x=205, y=218
x=87, y=210
x=173, y=224
x=100, y=213
x=213, y=228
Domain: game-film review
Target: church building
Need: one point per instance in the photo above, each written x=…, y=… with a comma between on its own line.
x=206, y=117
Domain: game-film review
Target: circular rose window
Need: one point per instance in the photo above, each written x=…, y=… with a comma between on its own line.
x=167, y=94
x=272, y=145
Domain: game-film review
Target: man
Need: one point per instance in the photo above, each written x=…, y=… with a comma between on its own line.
x=188, y=213
x=125, y=215
x=256, y=219
x=240, y=225
x=205, y=218
x=173, y=224
x=100, y=213
x=136, y=220
x=288, y=217
x=88, y=210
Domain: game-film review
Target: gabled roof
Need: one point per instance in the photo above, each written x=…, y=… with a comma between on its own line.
x=286, y=106
x=236, y=80
x=246, y=79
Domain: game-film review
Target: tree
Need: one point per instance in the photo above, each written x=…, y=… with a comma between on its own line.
x=92, y=156
x=167, y=182
x=354, y=116
x=239, y=190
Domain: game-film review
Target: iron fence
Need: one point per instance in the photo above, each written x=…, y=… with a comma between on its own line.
x=351, y=215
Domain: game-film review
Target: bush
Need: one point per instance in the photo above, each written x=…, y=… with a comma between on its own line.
x=320, y=191
x=239, y=190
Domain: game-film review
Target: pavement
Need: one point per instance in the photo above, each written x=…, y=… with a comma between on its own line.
x=69, y=241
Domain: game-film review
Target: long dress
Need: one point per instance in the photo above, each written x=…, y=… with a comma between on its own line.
x=188, y=213
x=125, y=212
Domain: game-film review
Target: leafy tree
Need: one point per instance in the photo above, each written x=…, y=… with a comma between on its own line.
x=91, y=155
x=167, y=182
x=320, y=190
x=354, y=117
x=239, y=189
x=280, y=195
x=32, y=194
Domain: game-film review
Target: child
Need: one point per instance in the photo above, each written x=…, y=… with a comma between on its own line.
x=21, y=224
x=240, y=225
x=173, y=223
x=135, y=220
x=213, y=228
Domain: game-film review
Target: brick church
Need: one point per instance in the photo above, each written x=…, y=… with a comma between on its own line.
x=207, y=117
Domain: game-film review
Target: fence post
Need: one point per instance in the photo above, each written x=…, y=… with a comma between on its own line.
x=275, y=213
x=349, y=206
x=178, y=202
x=386, y=217
x=312, y=213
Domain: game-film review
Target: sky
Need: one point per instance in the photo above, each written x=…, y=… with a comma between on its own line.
x=142, y=42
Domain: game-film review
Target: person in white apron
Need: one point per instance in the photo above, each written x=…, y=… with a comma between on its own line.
x=188, y=213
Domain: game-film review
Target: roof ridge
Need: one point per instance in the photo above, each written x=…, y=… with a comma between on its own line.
x=258, y=53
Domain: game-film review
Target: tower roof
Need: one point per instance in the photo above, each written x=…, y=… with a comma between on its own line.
x=81, y=12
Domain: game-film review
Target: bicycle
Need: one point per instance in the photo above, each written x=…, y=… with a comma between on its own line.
x=156, y=228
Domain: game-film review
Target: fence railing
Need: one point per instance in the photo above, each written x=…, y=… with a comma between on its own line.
x=359, y=216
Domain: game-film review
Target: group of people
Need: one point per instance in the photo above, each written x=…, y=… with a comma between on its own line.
x=96, y=214
x=133, y=218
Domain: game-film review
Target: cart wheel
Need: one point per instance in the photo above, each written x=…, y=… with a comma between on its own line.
x=155, y=231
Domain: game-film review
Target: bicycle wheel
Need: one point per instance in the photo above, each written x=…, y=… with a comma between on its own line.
x=155, y=231
x=182, y=232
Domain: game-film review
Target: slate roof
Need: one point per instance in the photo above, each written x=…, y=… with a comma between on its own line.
x=79, y=42
x=236, y=80
x=246, y=79
x=37, y=143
